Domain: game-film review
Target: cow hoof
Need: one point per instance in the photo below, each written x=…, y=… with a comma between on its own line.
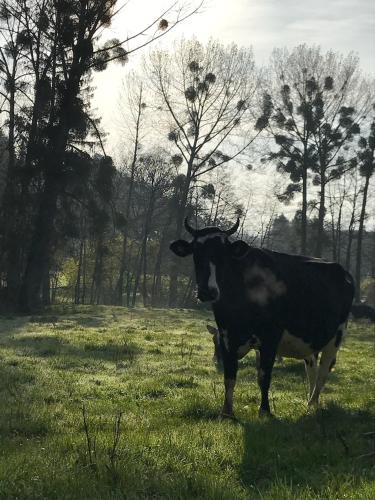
x=226, y=416
x=265, y=413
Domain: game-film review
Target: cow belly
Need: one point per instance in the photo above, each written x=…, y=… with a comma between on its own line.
x=293, y=347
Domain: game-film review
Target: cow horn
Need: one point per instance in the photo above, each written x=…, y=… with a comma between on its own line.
x=234, y=228
x=188, y=228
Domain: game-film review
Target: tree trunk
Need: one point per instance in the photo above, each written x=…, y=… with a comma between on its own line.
x=156, y=285
x=129, y=280
x=349, y=245
x=77, y=288
x=304, y=205
x=156, y=282
x=351, y=230
x=120, y=281
x=211, y=210
x=339, y=234
x=358, y=263
x=186, y=301
x=214, y=222
x=137, y=278
x=39, y=253
x=173, y=275
x=96, y=285
x=334, y=237
x=13, y=267
x=46, y=289
x=144, y=282
x=143, y=253
x=54, y=289
x=321, y=216
x=11, y=127
x=12, y=221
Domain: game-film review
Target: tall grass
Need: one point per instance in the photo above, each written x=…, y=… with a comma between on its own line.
x=107, y=403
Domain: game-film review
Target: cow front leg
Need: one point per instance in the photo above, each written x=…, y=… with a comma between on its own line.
x=265, y=366
x=230, y=374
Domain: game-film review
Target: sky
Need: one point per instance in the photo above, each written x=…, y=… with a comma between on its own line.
x=341, y=25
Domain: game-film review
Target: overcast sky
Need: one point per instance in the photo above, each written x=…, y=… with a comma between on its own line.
x=341, y=25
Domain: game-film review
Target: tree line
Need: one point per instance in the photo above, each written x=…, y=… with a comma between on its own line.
x=78, y=226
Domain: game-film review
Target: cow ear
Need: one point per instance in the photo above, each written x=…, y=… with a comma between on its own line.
x=239, y=249
x=181, y=248
x=211, y=329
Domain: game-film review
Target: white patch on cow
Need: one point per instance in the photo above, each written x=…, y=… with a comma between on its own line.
x=327, y=359
x=293, y=347
x=262, y=285
x=212, y=283
x=311, y=366
x=224, y=336
x=259, y=295
x=203, y=239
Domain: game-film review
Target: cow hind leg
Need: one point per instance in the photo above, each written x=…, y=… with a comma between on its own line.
x=265, y=364
x=327, y=362
x=311, y=366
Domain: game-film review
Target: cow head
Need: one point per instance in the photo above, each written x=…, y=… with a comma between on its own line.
x=211, y=250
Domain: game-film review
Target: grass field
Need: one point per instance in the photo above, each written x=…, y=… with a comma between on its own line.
x=104, y=402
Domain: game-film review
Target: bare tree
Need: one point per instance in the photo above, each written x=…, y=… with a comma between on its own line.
x=136, y=106
x=353, y=199
x=154, y=175
x=206, y=93
x=366, y=157
x=338, y=193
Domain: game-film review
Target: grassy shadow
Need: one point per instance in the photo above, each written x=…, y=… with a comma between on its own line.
x=18, y=392
x=91, y=322
x=50, y=345
x=295, y=367
x=199, y=412
x=365, y=337
x=305, y=454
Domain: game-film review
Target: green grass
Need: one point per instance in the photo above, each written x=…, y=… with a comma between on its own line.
x=144, y=383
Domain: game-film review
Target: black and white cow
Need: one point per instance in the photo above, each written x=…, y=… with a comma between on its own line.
x=275, y=303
